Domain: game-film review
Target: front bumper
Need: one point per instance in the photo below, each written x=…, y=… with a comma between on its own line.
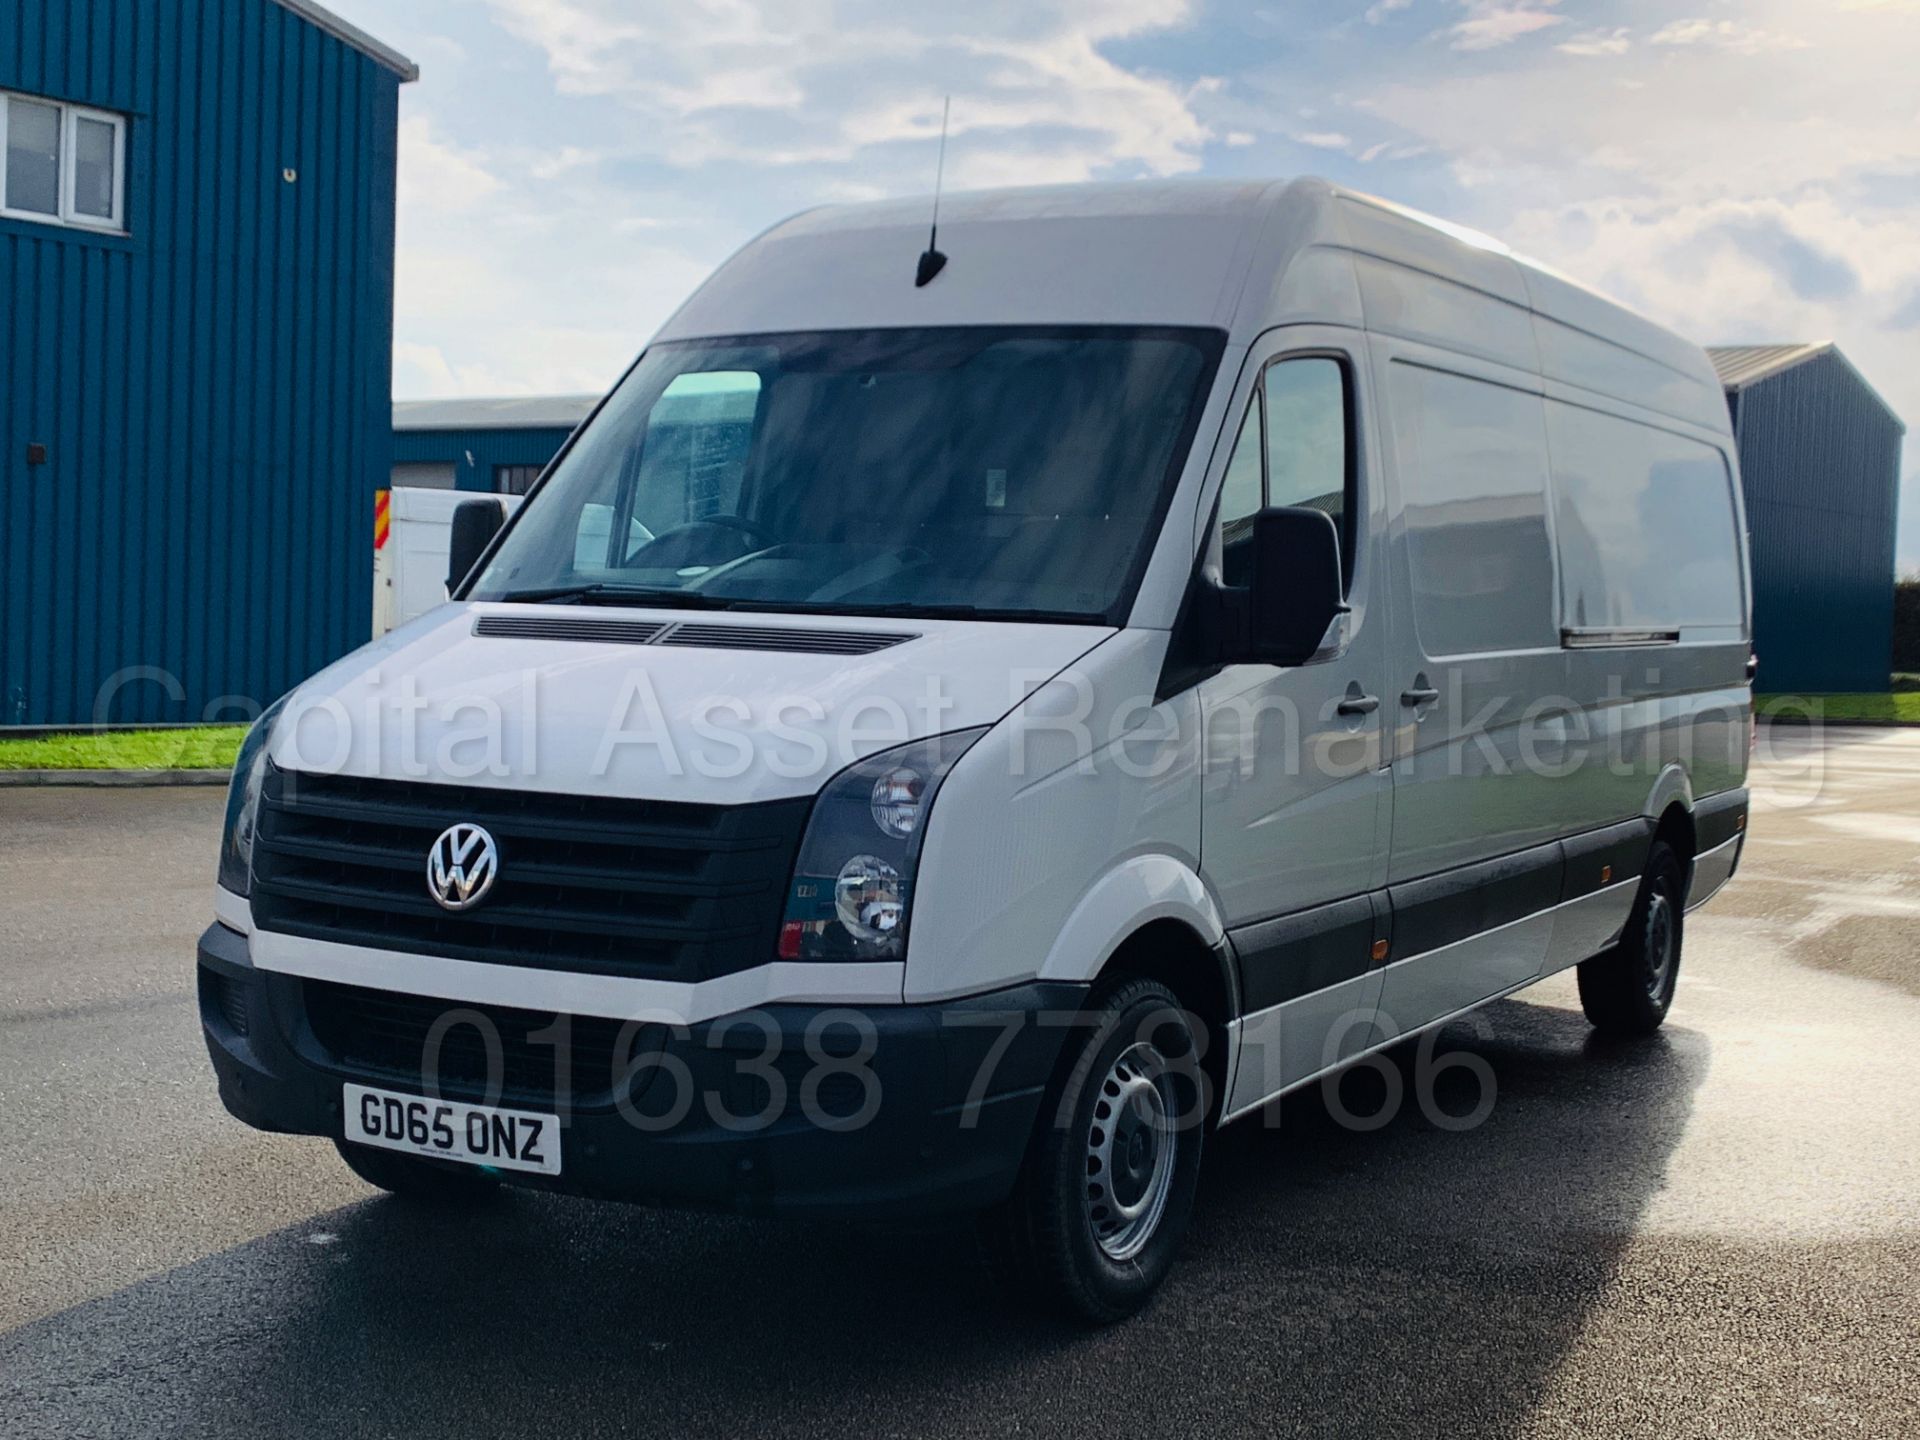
x=887, y=1110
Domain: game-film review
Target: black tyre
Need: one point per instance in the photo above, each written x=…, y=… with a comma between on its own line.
x=434, y=1181
x=1628, y=990
x=1103, y=1201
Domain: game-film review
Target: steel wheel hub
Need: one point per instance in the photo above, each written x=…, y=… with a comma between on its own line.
x=1131, y=1148
x=1659, y=938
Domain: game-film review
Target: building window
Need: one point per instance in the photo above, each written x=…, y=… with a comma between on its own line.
x=515, y=479
x=62, y=164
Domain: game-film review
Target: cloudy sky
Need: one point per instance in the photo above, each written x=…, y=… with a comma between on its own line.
x=1744, y=172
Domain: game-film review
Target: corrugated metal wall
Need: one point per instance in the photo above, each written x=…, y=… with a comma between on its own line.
x=212, y=390
x=487, y=448
x=1820, y=462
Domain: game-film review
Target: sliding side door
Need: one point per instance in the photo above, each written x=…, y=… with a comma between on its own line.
x=1476, y=682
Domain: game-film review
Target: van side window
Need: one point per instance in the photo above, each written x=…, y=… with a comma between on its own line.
x=1240, y=497
x=1644, y=522
x=1472, y=461
x=1307, y=461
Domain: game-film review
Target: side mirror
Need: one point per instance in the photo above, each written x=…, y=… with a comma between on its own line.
x=1296, y=591
x=475, y=523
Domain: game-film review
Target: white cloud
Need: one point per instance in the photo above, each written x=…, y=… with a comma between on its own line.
x=523, y=270
x=1734, y=35
x=1324, y=140
x=1239, y=137
x=1728, y=219
x=551, y=166
x=440, y=175
x=1492, y=23
x=808, y=82
x=1617, y=41
x=1381, y=9
x=544, y=238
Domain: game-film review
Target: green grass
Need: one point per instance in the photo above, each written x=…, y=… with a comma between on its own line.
x=1903, y=706
x=204, y=747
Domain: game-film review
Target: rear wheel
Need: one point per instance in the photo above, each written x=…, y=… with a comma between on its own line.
x=1103, y=1202
x=434, y=1181
x=1629, y=989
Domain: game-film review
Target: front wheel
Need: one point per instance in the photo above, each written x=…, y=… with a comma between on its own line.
x=1104, y=1199
x=1629, y=989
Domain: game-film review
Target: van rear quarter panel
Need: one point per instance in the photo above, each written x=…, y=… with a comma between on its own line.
x=1550, y=740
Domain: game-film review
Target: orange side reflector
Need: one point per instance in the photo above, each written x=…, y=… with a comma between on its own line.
x=1379, y=949
x=1606, y=873
x=382, y=523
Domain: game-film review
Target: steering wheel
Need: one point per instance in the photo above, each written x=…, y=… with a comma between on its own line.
x=757, y=533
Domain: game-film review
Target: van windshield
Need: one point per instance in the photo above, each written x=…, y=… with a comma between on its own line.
x=1002, y=473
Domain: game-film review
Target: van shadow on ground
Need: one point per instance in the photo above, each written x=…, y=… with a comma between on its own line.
x=1407, y=1280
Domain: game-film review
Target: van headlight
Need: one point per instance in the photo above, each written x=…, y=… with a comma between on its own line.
x=852, y=890
x=243, y=802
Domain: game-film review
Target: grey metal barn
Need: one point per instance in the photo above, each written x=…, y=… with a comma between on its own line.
x=1820, y=463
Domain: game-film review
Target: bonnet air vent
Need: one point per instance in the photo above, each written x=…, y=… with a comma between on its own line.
x=697, y=636
x=568, y=627
x=805, y=642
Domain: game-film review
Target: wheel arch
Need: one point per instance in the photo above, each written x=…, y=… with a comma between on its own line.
x=1152, y=916
x=1136, y=893
x=1673, y=786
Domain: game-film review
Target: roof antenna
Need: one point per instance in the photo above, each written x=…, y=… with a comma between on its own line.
x=932, y=262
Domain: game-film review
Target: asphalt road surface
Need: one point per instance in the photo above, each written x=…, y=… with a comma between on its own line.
x=1716, y=1232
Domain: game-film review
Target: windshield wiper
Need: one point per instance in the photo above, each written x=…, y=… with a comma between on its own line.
x=608, y=594
x=987, y=612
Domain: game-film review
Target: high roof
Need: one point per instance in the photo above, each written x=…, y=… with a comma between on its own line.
x=1741, y=365
x=354, y=36
x=518, y=412
x=1242, y=257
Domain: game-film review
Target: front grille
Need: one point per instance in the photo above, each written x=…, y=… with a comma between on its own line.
x=607, y=886
x=541, y=1058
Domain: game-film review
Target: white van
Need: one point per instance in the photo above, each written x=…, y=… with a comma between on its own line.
x=1040, y=706
x=410, y=568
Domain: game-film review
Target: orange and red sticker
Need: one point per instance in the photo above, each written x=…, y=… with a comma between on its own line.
x=382, y=520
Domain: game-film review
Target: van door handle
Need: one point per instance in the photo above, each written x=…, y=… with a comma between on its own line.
x=1419, y=696
x=1358, y=705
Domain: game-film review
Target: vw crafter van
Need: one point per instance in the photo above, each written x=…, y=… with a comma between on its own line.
x=957, y=725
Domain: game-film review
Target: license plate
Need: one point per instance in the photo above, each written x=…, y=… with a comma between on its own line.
x=448, y=1130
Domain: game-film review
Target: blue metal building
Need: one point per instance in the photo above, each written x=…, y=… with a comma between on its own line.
x=1820, y=465
x=497, y=446
x=196, y=255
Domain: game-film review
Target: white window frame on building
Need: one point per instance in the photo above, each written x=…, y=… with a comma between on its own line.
x=66, y=211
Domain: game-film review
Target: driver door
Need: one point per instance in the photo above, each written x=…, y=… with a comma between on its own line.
x=1297, y=793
